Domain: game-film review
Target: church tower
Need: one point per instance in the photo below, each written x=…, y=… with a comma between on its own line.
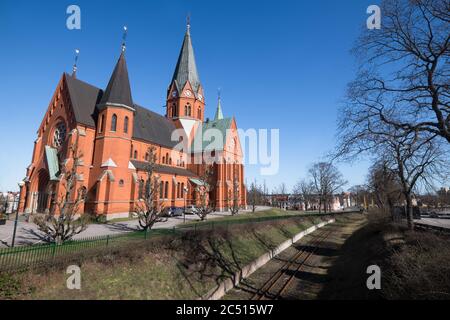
x=185, y=101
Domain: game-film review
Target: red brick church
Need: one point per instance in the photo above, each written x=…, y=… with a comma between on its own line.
x=114, y=134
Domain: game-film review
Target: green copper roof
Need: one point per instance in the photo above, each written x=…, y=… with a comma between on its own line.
x=51, y=154
x=198, y=142
x=186, y=69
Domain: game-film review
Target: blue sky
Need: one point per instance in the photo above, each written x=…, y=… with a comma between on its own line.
x=280, y=64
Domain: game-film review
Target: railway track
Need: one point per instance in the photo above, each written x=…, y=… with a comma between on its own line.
x=277, y=284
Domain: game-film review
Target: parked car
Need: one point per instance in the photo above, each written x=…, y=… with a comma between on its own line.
x=173, y=212
x=191, y=209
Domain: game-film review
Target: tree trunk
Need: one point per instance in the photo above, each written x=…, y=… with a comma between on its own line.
x=409, y=211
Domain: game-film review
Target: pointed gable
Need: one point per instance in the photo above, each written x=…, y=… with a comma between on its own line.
x=186, y=69
x=118, y=91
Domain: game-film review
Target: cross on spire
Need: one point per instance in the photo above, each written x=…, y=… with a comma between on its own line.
x=124, y=38
x=188, y=22
x=74, y=68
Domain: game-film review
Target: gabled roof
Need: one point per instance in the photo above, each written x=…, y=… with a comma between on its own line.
x=151, y=126
x=118, y=91
x=222, y=125
x=148, y=125
x=186, y=69
x=141, y=165
x=84, y=98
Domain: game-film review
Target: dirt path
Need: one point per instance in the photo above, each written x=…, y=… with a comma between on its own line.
x=305, y=265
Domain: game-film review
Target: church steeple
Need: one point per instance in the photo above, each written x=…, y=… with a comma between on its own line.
x=185, y=99
x=118, y=91
x=219, y=114
x=186, y=68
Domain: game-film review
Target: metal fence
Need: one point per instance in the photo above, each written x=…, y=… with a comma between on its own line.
x=23, y=257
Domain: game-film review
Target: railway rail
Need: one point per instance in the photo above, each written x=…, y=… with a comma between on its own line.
x=277, y=284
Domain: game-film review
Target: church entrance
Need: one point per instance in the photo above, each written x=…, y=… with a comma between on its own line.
x=41, y=198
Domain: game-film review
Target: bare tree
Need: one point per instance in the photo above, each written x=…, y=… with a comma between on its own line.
x=255, y=195
x=204, y=190
x=304, y=191
x=234, y=195
x=326, y=181
x=384, y=185
x=415, y=159
x=404, y=72
x=149, y=208
x=61, y=223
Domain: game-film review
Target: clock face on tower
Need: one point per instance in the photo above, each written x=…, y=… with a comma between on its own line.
x=174, y=93
x=200, y=97
x=187, y=93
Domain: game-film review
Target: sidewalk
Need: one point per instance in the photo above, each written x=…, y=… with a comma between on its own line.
x=27, y=232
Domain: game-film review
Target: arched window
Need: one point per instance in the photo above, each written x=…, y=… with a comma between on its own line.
x=166, y=191
x=164, y=159
x=185, y=111
x=178, y=190
x=170, y=160
x=125, y=125
x=199, y=113
x=135, y=154
x=161, y=189
x=189, y=110
x=167, y=158
x=114, y=123
x=101, y=124
x=174, y=110
x=182, y=190
x=147, y=157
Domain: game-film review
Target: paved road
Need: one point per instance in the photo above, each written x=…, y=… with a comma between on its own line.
x=443, y=223
x=27, y=232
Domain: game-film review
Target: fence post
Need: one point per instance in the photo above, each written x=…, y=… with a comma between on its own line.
x=107, y=240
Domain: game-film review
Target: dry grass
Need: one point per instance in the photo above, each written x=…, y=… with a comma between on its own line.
x=182, y=266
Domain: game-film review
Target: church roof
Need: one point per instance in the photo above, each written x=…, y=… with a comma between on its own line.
x=148, y=125
x=141, y=165
x=118, y=91
x=198, y=142
x=186, y=69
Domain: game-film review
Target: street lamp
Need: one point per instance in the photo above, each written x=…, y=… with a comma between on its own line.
x=184, y=211
x=21, y=183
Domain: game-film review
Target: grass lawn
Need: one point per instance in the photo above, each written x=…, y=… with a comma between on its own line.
x=252, y=216
x=182, y=266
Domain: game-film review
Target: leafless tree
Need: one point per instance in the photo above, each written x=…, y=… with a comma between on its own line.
x=62, y=222
x=384, y=185
x=149, y=208
x=234, y=195
x=326, y=181
x=303, y=191
x=204, y=190
x=415, y=160
x=255, y=195
x=404, y=71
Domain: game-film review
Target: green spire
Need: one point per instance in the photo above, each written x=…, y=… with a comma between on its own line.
x=219, y=114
